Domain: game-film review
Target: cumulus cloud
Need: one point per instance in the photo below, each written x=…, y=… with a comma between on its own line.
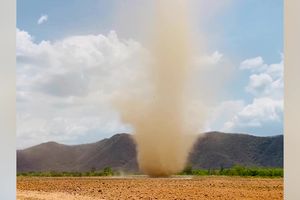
x=253, y=64
x=263, y=85
x=264, y=116
x=221, y=113
x=208, y=60
x=77, y=62
x=226, y=109
x=267, y=80
x=64, y=85
x=215, y=70
x=263, y=111
x=257, y=65
x=42, y=19
x=64, y=88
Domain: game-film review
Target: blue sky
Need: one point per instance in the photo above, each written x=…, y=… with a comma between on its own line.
x=240, y=31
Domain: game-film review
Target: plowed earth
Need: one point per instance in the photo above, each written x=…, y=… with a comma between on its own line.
x=219, y=188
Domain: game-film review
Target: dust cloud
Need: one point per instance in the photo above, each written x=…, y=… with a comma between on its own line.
x=164, y=120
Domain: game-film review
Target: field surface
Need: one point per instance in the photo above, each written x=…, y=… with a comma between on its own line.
x=219, y=188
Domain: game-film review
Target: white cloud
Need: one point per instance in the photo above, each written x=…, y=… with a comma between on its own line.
x=210, y=59
x=252, y=64
x=42, y=19
x=64, y=88
x=221, y=113
x=257, y=65
x=206, y=66
x=263, y=85
x=207, y=61
x=275, y=70
x=226, y=109
x=63, y=85
x=86, y=59
x=269, y=81
x=262, y=111
x=264, y=116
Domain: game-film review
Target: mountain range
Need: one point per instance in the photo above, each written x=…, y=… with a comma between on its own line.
x=211, y=151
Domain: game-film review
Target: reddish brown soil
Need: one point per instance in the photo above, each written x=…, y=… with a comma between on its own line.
x=219, y=188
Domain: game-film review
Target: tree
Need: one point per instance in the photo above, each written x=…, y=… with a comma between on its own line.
x=239, y=169
x=108, y=171
x=93, y=169
x=222, y=168
x=188, y=170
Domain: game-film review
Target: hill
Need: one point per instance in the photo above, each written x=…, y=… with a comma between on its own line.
x=211, y=151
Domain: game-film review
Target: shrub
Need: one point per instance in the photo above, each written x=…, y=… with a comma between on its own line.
x=108, y=171
x=188, y=170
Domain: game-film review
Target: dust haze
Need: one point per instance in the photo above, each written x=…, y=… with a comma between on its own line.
x=164, y=119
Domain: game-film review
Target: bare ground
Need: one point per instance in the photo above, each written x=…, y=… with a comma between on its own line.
x=220, y=188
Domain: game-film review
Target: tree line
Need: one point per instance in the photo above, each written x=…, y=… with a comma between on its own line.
x=238, y=170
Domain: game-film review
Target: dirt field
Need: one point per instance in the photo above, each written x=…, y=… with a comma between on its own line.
x=220, y=188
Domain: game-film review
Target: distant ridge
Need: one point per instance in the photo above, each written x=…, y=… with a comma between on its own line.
x=211, y=151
